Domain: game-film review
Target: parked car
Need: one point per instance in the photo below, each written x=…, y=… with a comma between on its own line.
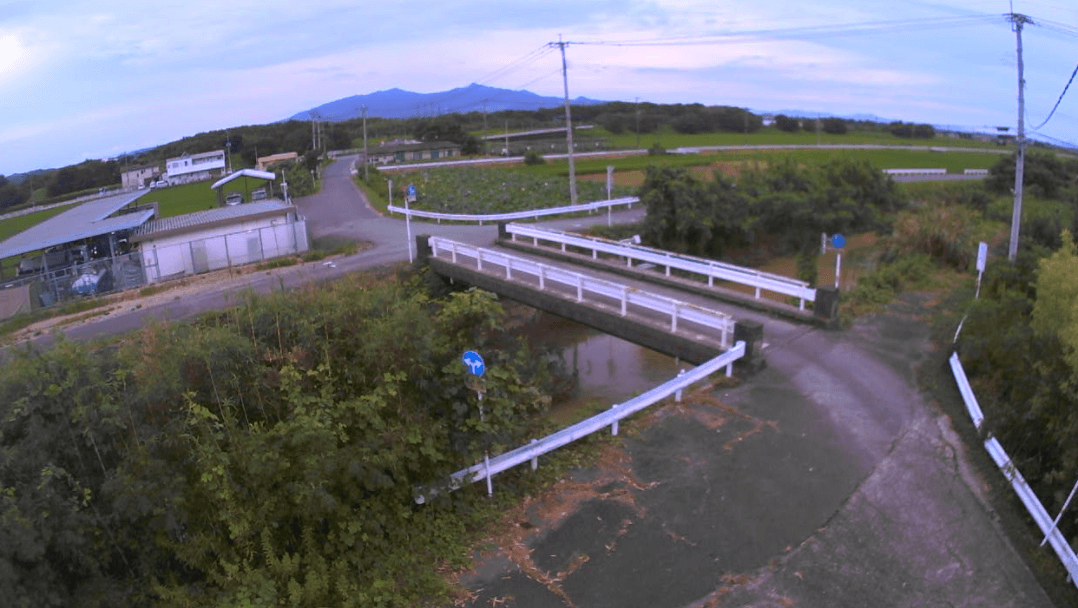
x=161, y=183
x=258, y=195
x=234, y=198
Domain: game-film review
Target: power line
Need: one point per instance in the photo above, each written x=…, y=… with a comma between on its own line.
x=869, y=27
x=1055, y=107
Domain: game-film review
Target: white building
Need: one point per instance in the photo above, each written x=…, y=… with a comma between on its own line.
x=195, y=167
x=219, y=238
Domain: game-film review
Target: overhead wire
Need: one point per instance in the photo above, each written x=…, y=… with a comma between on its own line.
x=870, y=27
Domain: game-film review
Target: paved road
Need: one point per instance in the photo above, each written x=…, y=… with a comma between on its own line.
x=825, y=480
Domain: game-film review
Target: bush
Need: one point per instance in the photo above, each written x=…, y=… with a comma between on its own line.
x=656, y=149
x=533, y=157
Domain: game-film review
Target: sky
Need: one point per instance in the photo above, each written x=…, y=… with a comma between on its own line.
x=90, y=79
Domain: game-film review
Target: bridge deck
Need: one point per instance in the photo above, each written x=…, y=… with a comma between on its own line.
x=678, y=328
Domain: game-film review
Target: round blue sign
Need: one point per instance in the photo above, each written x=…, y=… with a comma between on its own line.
x=838, y=241
x=474, y=363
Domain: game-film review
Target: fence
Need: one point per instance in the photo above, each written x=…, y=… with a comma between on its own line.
x=223, y=251
x=75, y=281
x=584, y=285
x=609, y=418
x=1010, y=471
x=628, y=201
x=761, y=281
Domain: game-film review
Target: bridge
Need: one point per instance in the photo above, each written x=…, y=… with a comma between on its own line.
x=674, y=327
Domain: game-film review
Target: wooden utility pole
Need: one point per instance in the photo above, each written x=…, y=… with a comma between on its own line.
x=568, y=124
x=1016, y=217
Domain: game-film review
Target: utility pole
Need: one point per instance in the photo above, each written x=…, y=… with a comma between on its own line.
x=484, y=118
x=637, y=122
x=1016, y=218
x=817, y=130
x=568, y=124
x=507, y=139
x=366, y=162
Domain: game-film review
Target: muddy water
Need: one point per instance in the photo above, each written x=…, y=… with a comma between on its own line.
x=609, y=370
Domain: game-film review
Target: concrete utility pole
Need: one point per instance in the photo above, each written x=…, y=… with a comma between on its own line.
x=637, y=122
x=1019, y=169
x=507, y=139
x=568, y=124
x=366, y=162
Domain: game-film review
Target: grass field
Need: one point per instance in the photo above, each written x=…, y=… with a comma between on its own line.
x=187, y=198
x=668, y=138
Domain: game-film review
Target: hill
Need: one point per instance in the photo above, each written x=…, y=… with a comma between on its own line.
x=398, y=103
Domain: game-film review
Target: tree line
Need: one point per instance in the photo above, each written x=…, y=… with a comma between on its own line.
x=262, y=456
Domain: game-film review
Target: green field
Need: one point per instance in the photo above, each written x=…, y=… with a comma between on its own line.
x=954, y=162
x=668, y=138
x=187, y=198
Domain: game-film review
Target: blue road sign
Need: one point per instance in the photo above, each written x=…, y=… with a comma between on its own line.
x=474, y=363
x=411, y=189
x=838, y=241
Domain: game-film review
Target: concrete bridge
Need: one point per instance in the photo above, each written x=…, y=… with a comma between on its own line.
x=679, y=328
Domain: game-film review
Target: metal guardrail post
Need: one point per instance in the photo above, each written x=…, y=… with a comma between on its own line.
x=677, y=395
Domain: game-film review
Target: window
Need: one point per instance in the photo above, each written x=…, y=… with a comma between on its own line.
x=417, y=155
x=400, y=155
x=434, y=154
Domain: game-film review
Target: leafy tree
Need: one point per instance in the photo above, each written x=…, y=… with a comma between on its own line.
x=785, y=123
x=835, y=126
x=1044, y=174
x=533, y=157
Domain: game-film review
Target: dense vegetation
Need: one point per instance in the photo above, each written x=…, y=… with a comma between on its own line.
x=262, y=456
x=784, y=206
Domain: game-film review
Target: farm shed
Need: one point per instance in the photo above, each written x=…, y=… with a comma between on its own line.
x=219, y=238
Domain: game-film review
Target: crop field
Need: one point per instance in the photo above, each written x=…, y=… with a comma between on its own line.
x=668, y=138
x=495, y=190
x=954, y=162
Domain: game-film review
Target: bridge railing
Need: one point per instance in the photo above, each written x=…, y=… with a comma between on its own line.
x=761, y=281
x=585, y=285
x=610, y=418
x=627, y=201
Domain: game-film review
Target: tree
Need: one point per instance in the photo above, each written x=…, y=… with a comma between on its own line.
x=785, y=123
x=835, y=126
x=1044, y=174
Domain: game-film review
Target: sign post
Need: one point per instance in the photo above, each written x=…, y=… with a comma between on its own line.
x=982, y=259
x=838, y=242
x=609, y=192
x=408, y=219
x=476, y=368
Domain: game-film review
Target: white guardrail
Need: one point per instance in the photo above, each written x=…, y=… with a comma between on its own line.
x=1010, y=471
x=915, y=171
x=762, y=281
x=584, y=284
x=609, y=418
x=628, y=201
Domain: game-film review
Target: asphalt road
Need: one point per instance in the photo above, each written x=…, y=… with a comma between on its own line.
x=824, y=480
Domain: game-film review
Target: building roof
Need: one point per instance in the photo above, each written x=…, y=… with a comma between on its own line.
x=267, y=175
x=210, y=218
x=80, y=222
x=199, y=155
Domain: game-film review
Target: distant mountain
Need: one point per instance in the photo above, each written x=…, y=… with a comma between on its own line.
x=397, y=103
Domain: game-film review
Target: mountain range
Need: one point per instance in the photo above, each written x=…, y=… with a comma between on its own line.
x=398, y=103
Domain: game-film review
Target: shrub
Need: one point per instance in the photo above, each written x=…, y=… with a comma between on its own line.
x=532, y=157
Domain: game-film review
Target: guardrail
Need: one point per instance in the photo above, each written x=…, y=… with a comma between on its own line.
x=762, y=281
x=975, y=172
x=628, y=201
x=1044, y=521
x=610, y=418
x=584, y=285
x=915, y=171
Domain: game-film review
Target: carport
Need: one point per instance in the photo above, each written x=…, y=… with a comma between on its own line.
x=260, y=176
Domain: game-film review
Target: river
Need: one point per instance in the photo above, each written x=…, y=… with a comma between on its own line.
x=609, y=370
